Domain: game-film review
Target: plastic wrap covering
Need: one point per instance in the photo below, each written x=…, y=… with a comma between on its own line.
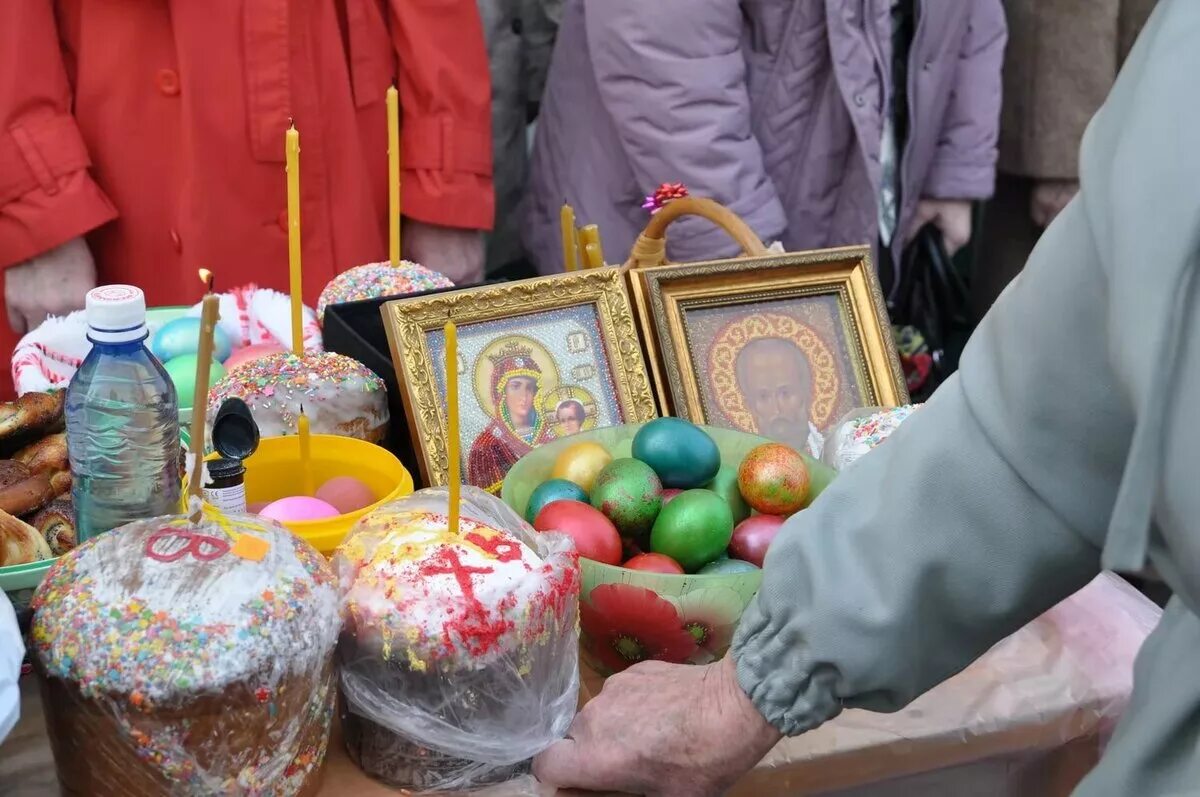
x=859, y=431
x=188, y=658
x=459, y=653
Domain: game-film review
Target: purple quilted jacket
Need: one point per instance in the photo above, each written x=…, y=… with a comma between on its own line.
x=773, y=107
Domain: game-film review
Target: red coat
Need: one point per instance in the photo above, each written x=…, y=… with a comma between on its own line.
x=156, y=128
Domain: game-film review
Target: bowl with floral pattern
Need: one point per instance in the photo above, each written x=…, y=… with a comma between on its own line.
x=627, y=616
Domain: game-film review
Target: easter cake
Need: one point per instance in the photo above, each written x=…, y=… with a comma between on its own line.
x=188, y=658
x=340, y=395
x=458, y=654
x=379, y=279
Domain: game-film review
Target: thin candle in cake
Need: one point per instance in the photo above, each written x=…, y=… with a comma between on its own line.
x=452, y=433
x=305, y=435
x=210, y=314
x=393, y=127
x=292, y=147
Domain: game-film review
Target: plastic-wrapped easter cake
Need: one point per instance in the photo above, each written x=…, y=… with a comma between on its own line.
x=188, y=658
x=459, y=652
x=340, y=395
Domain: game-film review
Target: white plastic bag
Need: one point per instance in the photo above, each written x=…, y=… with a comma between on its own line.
x=12, y=652
x=459, y=653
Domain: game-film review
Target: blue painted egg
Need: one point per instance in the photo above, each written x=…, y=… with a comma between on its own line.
x=182, y=336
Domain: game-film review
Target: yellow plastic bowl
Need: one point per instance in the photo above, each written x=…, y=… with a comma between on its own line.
x=273, y=472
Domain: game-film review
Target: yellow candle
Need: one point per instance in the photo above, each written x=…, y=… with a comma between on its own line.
x=452, y=443
x=292, y=140
x=306, y=474
x=567, y=222
x=210, y=313
x=393, y=124
x=593, y=252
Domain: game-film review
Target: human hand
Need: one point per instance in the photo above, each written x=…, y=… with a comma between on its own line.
x=951, y=216
x=54, y=283
x=1048, y=199
x=669, y=730
x=455, y=252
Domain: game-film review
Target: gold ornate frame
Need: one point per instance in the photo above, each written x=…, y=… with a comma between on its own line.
x=408, y=321
x=664, y=293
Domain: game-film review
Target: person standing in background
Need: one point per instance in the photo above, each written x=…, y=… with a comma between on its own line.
x=520, y=37
x=775, y=108
x=1062, y=59
x=143, y=139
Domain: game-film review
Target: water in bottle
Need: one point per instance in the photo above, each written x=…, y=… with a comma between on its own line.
x=122, y=420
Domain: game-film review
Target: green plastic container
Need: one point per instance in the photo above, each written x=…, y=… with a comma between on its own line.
x=627, y=616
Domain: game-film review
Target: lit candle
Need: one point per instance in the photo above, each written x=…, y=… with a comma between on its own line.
x=305, y=435
x=452, y=443
x=210, y=313
x=393, y=126
x=567, y=223
x=292, y=140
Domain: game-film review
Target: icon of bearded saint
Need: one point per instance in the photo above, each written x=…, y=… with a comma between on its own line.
x=516, y=427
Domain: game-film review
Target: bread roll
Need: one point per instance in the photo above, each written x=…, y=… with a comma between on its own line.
x=32, y=412
x=20, y=543
x=23, y=496
x=56, y=524
x=47, y=455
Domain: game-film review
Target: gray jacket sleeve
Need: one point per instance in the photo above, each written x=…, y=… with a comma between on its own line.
x=983, y=510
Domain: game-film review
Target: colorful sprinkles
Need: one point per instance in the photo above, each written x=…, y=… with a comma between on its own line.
x=379, y=279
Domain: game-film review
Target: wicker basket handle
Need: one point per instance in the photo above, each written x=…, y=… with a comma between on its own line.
x=650, y=249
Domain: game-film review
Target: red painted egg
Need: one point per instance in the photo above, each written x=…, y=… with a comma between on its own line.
x=346, y=493
x=595, y=536
x=753, y=536
x=774, y=480
x=668, y=494
x=654, y=563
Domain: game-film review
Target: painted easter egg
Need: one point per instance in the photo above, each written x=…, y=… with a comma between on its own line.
x=727, y=566
x=681, y=453
x=654, y=563
x=725, y=484
x=182, y=370
x=629, y=494
x=753, y=536
x=774, y=479
x=249, y=354
x=581, y=463
x=670, y=493
x=595, y=536
x=693, y=529
x=550, y=491
x=298, y=508
x=346, y=494
x=182, y=336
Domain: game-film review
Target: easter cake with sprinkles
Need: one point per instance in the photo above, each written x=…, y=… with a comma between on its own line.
x=340, y=395
x=450, y=631
x=375, y=280
x=188, y=657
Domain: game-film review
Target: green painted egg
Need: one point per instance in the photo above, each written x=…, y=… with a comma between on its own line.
x=725, y=484
x=629, y=494
x=727, y=566
x=550, y=491
x=694, y=529
x=681, y=453
x=182, y=370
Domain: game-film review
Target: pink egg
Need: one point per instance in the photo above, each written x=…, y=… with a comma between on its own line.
x=298, y=507
x=241, y=357
x=346, y=493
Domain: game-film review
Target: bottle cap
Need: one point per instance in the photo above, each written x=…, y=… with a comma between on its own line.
x=234, y=433
x=224, y=468
x=116, y=314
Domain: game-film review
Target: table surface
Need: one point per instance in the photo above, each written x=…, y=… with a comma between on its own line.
x=1064, y=677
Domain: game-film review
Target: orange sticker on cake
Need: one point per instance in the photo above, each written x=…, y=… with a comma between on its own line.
x=250, y=547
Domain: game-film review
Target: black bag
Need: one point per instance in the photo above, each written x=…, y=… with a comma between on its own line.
x=930, y=312
x=356, y=330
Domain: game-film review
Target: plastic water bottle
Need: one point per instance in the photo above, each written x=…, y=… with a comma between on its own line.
x=122, y=420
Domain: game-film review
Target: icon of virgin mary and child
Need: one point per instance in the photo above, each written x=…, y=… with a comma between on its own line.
x=517, y=427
